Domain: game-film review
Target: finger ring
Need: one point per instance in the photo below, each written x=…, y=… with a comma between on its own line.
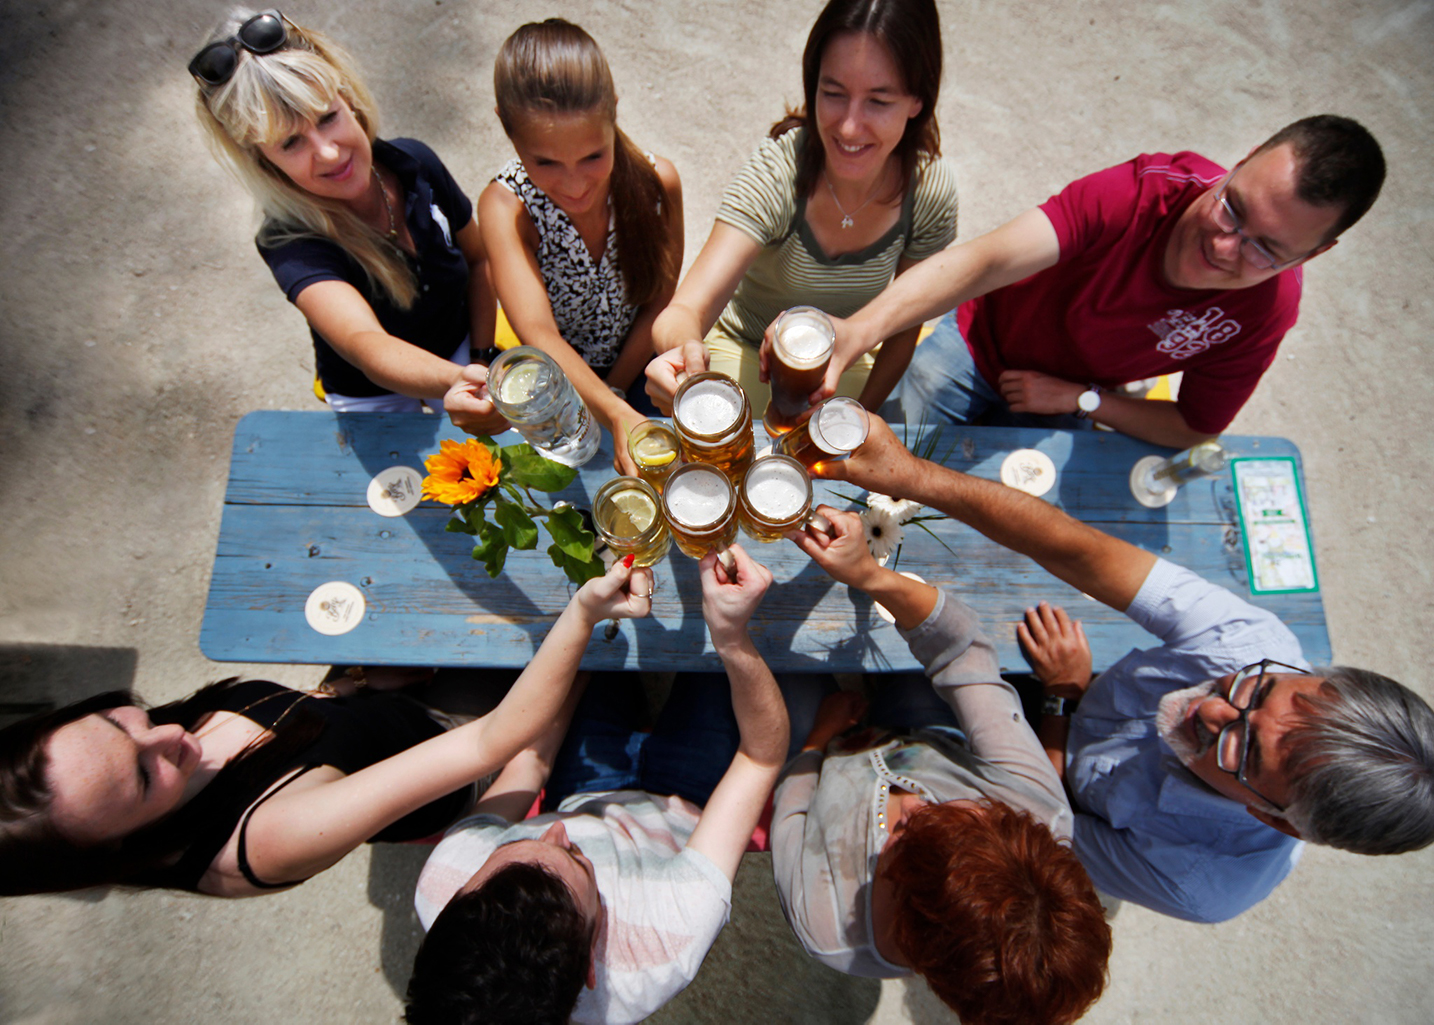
x=647, y=595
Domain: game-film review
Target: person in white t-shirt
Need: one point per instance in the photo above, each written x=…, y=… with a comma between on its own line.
x=603, y=910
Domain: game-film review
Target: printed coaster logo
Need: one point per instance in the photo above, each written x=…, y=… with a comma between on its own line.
x=1183, y=334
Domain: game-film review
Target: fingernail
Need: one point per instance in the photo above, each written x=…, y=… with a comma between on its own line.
x=627, y=560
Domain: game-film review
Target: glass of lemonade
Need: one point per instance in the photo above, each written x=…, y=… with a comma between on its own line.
x=714, y=422
x=655, y=448
x=628, y=517
x=775, y=498
x=834, y=431
x=701, y=508
x=536, y=397
x=802, y=347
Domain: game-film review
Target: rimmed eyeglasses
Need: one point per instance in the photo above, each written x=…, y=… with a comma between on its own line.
x=1245, y=693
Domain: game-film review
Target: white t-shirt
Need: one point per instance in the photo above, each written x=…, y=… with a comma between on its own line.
x=662, y=905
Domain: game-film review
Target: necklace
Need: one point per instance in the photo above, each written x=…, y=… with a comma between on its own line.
x=846, y=217
x=393, y=231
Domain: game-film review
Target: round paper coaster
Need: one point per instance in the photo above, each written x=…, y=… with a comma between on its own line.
x=334, y=608
x=395, y=491
x=881, y=609
x=1028, y=470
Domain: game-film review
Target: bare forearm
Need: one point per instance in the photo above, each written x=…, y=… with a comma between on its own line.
x=675, y=326
x=886, y=370
x=1053, y=733
x=1157, y=421
x=757, y=703
x=1105, y=567
x=482, y=309
x=398, y=366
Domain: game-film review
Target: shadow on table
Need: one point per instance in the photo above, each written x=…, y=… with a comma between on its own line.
x=37, y=678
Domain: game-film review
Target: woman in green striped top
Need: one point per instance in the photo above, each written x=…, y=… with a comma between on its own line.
x=847, y=192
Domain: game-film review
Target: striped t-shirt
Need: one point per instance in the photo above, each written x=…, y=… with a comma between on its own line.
x=791, y=270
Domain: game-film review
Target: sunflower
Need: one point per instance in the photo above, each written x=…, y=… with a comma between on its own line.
x=459, y=473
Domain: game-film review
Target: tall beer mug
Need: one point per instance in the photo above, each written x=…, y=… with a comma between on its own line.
x=701, y=508
x=834, y=431
x=775, y=498
x=802, y=344
x=714, y=422
x=537, y=398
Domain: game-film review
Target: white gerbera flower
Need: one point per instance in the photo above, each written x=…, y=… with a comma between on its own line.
x=900, y=509
x=883, y=532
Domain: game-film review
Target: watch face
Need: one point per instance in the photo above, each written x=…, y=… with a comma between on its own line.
x=1089, y=401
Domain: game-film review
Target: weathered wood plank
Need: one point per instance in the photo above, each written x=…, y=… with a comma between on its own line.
x=296, y=517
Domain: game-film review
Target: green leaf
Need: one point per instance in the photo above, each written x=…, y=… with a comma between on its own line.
x=459, y=524
x=518, y=527
x=579, y=571
x=493, y=552
x=566, y=526
x=525, y=467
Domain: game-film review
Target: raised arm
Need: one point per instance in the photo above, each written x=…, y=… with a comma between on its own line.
x=1106, y=568
x=1015, y=250
x=512, y=244
x=678, y=331
x=303, y=831
x=467, y=401
x=728, y=602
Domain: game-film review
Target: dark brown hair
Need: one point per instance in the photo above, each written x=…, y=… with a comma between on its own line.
x=998, y=917
x=1340, y=164
x=911, y=32
x=36, y=858
x=554, y=67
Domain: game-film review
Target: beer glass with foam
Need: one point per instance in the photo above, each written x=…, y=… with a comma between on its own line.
x=801, y=349
x=537, y=398
x=776, y=497
x=714, y=422
x=834, y=431
x=628, y=517
x=701, y=508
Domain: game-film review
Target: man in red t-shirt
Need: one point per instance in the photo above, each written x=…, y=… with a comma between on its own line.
x=1165, y=263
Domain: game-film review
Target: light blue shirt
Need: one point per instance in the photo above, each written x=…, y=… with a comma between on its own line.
x=1146, y=829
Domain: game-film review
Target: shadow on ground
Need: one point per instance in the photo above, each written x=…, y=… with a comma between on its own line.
x=35, y=678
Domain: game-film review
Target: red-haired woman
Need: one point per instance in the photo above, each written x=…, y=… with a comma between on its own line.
x=936, y=840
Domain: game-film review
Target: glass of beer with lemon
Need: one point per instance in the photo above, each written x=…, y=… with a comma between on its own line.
x=628, y=517
x=654, y=449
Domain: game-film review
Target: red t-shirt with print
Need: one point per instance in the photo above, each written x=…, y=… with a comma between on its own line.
x=1104, y=313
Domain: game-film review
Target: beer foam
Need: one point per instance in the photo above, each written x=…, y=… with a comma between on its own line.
x=840, y=427
x=697, y=498
x=776, y=489
x=710, y=407
x=805, y=345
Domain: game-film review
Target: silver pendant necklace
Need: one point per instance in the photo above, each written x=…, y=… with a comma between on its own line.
x=846, y=217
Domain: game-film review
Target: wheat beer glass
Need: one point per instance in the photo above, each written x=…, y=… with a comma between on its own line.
x=802, y=346
x=654, y=449
x=834, y=431
x=701, y=509
x=537, y=398
x=628, y=517
x=714, y=421
x=775, y=498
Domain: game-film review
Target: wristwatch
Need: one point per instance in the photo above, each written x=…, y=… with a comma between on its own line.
x=1052, y=705
x=1088, y=402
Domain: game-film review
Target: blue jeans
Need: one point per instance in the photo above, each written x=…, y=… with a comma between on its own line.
x=689, y=749
x=943, y=386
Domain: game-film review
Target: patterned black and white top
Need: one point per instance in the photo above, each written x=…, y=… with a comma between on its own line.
x=589, y=300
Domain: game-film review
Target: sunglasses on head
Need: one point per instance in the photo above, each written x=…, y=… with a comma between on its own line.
x=261, y=34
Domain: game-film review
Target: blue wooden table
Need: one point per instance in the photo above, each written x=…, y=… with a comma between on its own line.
x=296, y=516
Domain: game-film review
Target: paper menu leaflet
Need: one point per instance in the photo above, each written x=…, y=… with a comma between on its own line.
x=1274, y=526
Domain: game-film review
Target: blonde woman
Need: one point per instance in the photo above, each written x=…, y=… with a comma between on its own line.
x=372, y=240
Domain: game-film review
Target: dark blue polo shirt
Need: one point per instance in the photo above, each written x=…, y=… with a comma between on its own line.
x=435, y=209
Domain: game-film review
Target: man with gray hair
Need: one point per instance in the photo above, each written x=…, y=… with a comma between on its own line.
x=1196, y=768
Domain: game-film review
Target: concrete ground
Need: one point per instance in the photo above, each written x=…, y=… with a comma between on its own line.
x=138, y=325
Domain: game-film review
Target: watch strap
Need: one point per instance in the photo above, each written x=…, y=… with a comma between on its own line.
x=1052, y=705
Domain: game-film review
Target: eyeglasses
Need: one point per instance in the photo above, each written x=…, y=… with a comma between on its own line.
x=1251, y=251
x=261, y=34
x=1232, y=746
